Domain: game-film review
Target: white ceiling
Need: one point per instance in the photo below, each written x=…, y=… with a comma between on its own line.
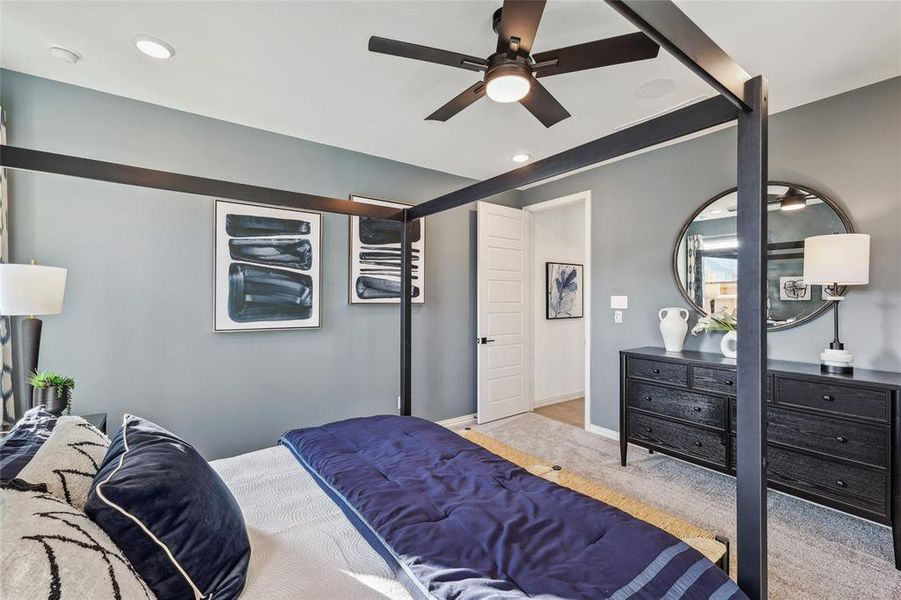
x=302, y=68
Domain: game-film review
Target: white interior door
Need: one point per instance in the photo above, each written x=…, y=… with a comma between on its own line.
x=503, y=312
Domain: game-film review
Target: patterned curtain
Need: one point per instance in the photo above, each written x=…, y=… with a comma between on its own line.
x=693, y=268
x=6, y=380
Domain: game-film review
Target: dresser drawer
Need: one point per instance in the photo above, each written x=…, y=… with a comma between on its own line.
x=854, y=486
x=860, y=442
x=657, y=371
x=681, y=404
x=674, y=437
x=710, y=379
x=834, y=398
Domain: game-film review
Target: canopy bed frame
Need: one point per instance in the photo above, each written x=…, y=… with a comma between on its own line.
x=741, y=97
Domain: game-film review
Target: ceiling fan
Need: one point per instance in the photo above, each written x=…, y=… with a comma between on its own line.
x=512, y=72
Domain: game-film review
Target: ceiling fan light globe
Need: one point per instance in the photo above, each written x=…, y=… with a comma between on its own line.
x=790, y=204
x=508, y=88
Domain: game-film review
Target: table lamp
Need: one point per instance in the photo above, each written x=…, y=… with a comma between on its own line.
x=30, y=290
x=836, y=261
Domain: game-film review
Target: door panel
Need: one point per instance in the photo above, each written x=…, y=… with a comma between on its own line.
x=503, y=312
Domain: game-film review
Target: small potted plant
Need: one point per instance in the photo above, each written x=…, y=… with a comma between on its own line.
x=52, y=390
x=723, y=320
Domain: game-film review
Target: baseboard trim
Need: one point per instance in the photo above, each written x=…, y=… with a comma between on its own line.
x=602, y=431
x=456, y=422
x=557, y=399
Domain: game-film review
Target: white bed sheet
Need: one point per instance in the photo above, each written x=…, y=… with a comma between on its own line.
x=302, y=545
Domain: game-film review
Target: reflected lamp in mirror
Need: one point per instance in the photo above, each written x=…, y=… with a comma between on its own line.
x=705, y=255
x=31, y=290
x=836, y=261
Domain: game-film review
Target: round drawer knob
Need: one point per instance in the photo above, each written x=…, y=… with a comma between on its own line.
x=841, y=484
x=729, y=382
x=697, y=409
x=648, y=398
x=840, y=440
x=648, y=429
x=655, y=371
x=828, y=398
x=698, y=444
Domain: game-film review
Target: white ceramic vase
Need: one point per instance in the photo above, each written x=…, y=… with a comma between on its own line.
x=673, y=327
x=729, y=344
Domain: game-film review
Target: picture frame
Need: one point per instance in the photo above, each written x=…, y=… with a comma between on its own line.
x=267, y=268
x=563, y=291
x=374, y=256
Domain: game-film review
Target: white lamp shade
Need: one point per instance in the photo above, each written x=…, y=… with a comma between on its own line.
x=842, y=258
x=31, y=290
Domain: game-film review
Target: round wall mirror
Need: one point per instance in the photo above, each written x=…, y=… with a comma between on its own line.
x=705, y=258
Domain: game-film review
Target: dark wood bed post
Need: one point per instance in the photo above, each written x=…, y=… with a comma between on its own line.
x=406, y=307
x=752, y=383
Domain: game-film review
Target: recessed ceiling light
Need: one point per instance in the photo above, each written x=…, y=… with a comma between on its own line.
x=521, y=157
x=656, y=88
x=65, y=54
x=153, y=47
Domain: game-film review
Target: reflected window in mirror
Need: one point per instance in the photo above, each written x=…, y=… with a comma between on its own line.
x=705, y=257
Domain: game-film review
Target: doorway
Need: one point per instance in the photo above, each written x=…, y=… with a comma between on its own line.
x=560, y=252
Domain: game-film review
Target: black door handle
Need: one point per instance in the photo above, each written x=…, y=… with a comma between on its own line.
x=485, y=340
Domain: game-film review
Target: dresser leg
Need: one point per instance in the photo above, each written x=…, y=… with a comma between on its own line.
x=623, y=449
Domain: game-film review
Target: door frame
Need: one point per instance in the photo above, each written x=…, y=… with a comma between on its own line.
x=584, y=198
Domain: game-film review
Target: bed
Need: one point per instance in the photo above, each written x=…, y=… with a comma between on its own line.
x=296, y=529
x=398, y=507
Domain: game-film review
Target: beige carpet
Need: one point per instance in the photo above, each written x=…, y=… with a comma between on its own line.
x=814, y=553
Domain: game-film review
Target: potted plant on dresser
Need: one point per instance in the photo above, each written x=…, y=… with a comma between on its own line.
x=52, y=390
x=724, y=321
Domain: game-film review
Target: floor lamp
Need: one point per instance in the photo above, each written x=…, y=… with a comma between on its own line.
x=31, y=290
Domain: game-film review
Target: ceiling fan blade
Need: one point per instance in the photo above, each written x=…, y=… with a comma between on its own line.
x=519, y=18
x=600, y=53
x=543, y=105
x=424, y=53
x=467, y=97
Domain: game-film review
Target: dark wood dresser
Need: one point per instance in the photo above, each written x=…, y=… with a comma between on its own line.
x=831, y=439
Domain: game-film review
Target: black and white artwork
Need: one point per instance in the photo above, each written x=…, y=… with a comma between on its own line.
x=793, y=289
x=375, y=258
x=267, y=268
x=564, y=291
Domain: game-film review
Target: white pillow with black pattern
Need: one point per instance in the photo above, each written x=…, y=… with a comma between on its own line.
x=52, y=550
x=68, y=460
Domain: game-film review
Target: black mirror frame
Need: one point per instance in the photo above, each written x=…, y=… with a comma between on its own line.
x=846, y=220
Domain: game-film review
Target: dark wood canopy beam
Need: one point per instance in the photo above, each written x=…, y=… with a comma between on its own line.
x=25, y=159
x=663, y=22
x=693, y=118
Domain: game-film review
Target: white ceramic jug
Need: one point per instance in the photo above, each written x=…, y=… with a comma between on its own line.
x=673, y=327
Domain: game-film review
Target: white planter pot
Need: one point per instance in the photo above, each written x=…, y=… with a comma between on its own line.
x=729, y=344
x=673, y=327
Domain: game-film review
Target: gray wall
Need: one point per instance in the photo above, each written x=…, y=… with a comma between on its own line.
x=847, y=146
x=136, y=332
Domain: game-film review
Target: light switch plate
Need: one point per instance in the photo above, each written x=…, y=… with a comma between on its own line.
x=619, y=302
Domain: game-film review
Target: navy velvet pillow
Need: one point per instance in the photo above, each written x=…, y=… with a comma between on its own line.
x=23, y=441
x=170, y=514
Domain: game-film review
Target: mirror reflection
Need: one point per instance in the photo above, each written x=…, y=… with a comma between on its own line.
x=705, y=256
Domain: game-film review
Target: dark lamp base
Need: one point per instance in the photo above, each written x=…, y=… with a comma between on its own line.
x=837, y=370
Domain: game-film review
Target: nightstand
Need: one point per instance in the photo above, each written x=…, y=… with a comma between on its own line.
x=98, y=420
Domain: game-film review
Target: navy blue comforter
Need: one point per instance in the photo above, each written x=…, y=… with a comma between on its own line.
x=467, y=524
